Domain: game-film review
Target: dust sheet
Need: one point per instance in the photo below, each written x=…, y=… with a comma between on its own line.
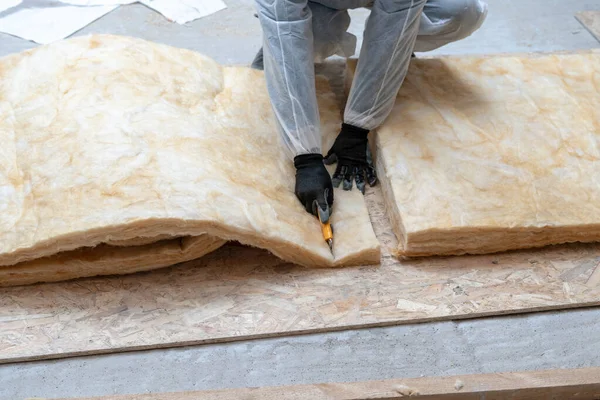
x=121, y=155
x=50, y=21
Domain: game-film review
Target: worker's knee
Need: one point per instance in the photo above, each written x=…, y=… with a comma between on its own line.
x=463, y=17
x=469, y=16
x=447, y=21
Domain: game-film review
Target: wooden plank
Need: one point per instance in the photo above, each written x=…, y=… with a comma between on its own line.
x=591, y=21
x=582, y=384
x=239, y=293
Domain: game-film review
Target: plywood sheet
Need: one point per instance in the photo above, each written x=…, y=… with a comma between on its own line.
x=120, y=155
x=591, y=20
x=583, y=384
x=485, y=154
x=238, y=292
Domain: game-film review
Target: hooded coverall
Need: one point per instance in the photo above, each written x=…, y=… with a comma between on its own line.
x=296, y=33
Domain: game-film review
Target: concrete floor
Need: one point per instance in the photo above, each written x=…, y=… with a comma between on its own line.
x=567, y=339
x=233, y=36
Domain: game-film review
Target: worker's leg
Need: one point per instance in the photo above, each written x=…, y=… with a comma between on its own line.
x=330, y=34
x=447, y=21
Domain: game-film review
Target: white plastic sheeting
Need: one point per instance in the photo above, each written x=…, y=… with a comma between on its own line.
x=46, y=21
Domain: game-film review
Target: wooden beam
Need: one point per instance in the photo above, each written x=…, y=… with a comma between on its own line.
x=581, y=384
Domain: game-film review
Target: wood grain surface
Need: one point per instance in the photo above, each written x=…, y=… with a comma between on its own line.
x=581, y=384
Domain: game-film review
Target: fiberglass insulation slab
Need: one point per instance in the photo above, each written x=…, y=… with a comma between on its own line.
x=120, y=155
x=484, y=154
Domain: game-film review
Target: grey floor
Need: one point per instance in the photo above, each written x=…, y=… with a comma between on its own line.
x=518, y=343
x=567, y=339
x=233, y=35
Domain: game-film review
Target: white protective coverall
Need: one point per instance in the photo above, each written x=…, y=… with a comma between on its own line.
x=299, y=32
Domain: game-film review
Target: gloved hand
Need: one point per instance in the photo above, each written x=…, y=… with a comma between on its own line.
x=313, y=185
x=352, y=153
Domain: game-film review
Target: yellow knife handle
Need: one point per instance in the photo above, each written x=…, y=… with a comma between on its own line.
x=325, y=227
x=327, y=232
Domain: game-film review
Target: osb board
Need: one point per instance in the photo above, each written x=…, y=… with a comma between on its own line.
x=583, y=384
x=239, y=293
x=591, y=21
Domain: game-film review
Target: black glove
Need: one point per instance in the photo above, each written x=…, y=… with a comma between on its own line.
x=313, y=185
x=352, y=153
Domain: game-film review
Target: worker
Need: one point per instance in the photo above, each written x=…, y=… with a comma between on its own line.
x=298, y=33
